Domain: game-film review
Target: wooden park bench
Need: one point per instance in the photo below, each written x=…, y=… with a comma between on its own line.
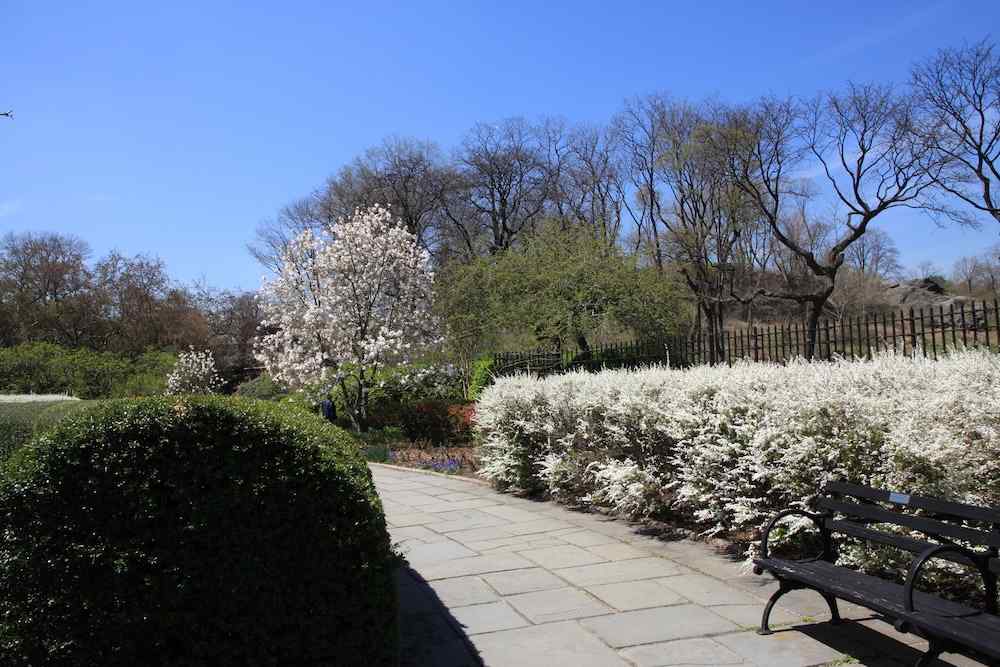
x=961, y=533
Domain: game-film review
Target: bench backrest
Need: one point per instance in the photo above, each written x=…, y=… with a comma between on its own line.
x=940, y=520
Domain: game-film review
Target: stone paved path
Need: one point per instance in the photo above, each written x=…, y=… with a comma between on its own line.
x=499, y=580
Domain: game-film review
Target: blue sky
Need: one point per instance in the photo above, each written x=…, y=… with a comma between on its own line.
x=176, y=129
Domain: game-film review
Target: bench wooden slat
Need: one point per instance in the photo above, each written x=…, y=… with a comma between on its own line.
x=939, y=617
x=919, y=523
x=935, y=505
x=899, y=541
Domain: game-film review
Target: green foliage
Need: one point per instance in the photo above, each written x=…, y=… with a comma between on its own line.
x=299, y=401
x=464, y=303
x=44, y=368
x=562, y=285
x=481, y=376
x=148, y=376
x=436, y=423
x=194, y=531
x=427, y=422
x=262, y=387
x=19, y=422
x=377, y=443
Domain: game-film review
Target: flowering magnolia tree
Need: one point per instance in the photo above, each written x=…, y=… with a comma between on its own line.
x=194, y=373
x=344, y=303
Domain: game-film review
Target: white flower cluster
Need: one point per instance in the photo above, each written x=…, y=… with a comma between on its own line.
x=728, y=447
x=440, y=381
x=354, y=297
x=194, y=373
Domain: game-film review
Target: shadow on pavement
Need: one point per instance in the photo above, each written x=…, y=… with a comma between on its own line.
x=871, y=647
x=429, y=635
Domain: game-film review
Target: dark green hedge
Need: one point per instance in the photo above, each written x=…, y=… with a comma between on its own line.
x=20, y=421
x=194, y=531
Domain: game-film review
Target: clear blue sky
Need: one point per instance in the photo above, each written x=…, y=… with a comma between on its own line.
x=175, y=130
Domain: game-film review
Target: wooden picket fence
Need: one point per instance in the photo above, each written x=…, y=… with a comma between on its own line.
x=927, y=331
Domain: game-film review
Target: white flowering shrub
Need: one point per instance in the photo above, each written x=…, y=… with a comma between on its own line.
x=728, y=447
x=625, y=488
x=347, y=302
x=194, y=373
x=567, y=477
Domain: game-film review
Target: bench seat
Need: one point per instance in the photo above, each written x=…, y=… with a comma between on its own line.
x=954, y=621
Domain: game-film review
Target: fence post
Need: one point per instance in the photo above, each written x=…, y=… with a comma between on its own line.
x=986, y=323
x=965, y=336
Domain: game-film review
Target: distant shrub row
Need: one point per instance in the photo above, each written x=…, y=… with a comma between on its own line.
x=44, y=368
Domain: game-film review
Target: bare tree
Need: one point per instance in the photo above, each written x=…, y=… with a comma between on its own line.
x=863, y=142
x=925, y=269
x=593, y=185
x=404, y=175
x=273, y=236
x=704, y=213
x=639, y=128
x=965, y=271
x=233, y=320
x=875, y=254
x=44, y=281
x=989, y=271
x=49, y=291
x=504, y=183
x=958, y=92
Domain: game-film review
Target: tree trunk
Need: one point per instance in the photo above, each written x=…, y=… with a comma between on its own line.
x=356, y=405
x=815, y=305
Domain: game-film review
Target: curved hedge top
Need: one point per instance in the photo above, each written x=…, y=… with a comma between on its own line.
x=193, y=531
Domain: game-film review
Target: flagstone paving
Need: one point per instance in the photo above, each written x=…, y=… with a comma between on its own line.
x=498, y=580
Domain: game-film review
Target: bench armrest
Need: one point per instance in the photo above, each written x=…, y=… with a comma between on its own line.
x=816, y=519
x=931, y=552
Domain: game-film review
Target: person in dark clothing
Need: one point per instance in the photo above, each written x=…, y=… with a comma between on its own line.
x=328, y=410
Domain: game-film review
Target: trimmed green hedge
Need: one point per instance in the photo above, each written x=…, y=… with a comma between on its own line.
x=20, y=421
x=44, y=368
x=194, y=531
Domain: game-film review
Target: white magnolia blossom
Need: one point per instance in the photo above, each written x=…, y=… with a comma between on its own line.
x=194, y=373
x=345, y=302
x=436, y=381
x=728, y=447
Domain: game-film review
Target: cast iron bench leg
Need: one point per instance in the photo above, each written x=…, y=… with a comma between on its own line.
x=783, y=587
x=935, y=649
x=831, y=602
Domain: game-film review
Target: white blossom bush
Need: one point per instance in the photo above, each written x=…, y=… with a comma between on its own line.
x=567, y=477
x=625, y=488
x=726, y=448
x=345, y=303
x=194, y=373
